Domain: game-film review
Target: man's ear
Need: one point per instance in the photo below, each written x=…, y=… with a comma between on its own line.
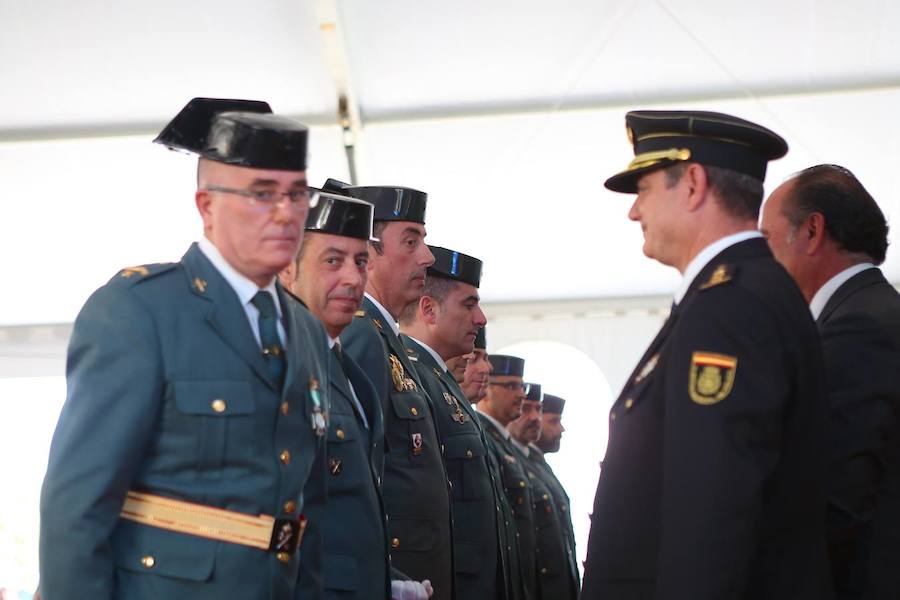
x=428, y=308
x=814, y=232
x=697, y=183
x=203, y=200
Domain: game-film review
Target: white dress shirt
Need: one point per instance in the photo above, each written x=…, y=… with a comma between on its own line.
x=437, y=358
x=244, y=288
x=818, y=302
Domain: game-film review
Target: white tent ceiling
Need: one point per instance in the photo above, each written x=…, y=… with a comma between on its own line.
x=508, y=113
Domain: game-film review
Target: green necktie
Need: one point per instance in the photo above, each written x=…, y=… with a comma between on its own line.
x=268, y=335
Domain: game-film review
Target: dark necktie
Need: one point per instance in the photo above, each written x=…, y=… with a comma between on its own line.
x=268, y=335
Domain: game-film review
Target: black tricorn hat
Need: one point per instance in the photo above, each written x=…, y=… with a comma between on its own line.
x=507, y=365
x=481, y=339
x=243, y=133
x=533, y=392
x=553, y=404
x=664, y=138
x=339, y=215
x=451, y=264
x=392, y=203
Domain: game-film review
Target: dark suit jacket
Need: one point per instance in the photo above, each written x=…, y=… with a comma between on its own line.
x=415, y=490
x=860, y=328
x=474, y=504
x=356, y=551
x=150, y=352
x=713, y=481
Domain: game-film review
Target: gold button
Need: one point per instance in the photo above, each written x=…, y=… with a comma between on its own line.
x=148, y=561
x=283, y=557
x=469, y=454
x=340, y=434
x=290, y=506
x=521, y=484
x=545, y=497
x=218, y=405
x=285, y=407
x=414, y=411
x=284, y=457
x=395, y=543
x=629, y=403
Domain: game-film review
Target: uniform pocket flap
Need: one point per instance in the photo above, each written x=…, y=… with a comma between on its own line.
x=409, y=405
x=413, y=535
x=150, y=550
x=342, y=428
x=463, y=446
x=214, y=398
x=341, y=572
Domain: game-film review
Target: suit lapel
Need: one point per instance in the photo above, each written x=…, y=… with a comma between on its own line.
x=859, y=281
x=341, y=383
x=226, y=315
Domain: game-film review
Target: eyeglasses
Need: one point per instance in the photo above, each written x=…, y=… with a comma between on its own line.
x=512, y=386
x=298, y=199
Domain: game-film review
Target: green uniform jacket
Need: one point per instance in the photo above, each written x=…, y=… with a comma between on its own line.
x=475, y=502
x=356, y=551
x=415, y=485
x=520, y=496
x=168, y=393
x=557, y=573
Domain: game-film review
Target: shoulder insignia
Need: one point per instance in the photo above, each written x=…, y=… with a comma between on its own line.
x=436, y=371
x=647, y=368
x=721, y=274
x=131, y=271
x=199, y=284
x=711, y=377
x=360, y=313
x=377, y=323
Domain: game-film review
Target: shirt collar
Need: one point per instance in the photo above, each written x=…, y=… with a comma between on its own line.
x=818, y=302
x=437, y=358
x=707, y=254
x=332, y=342
x=525, y=449
x=495, y=423
x=387, y=316
x=242, y=286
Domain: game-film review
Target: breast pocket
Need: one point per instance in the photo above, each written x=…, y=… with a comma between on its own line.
x=413, y=441
x=346, y=455
x=466, y=468
x=209, y=417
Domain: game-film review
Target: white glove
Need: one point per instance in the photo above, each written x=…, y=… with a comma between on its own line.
x=411, y=590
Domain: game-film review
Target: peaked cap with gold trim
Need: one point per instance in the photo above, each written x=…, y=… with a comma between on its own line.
x=664, y=138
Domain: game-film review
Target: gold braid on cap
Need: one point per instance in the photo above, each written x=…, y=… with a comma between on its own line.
x=647, y=159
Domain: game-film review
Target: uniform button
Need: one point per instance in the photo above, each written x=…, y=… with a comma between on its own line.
x=218, y=405
x=612, y=416
x=543, y=570
x=283, y=557
x=564, y=508
x=148, y=561
x=378, y=481
x=545, y=497
x=340, y=434
x=284, y=457
x=469, y=454
x=520, y=501
x=285, y=407
x=414, y=411
x=395, y=543
x=450, y=484
x=521, y=483
x=629, y=403
x=290, y=506
x=442, y=448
